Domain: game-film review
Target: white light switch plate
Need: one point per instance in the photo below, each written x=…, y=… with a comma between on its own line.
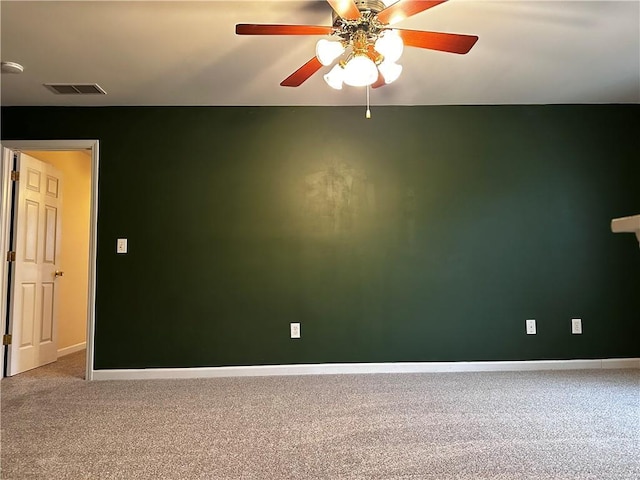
x=531, y=327
x=121, y=245
x=295, y=330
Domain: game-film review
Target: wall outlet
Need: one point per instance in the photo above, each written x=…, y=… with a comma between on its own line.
x=576, y=326
x=531, y=327
x=295, y=330
x=121, y=245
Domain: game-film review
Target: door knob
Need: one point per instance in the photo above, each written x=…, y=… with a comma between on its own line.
x=59, y=273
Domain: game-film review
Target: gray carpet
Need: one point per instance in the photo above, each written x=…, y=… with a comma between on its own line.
x=534, y=425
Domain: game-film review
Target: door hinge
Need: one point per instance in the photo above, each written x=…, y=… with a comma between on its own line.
x=15, y=176
x=11, y=256
x=6, y=340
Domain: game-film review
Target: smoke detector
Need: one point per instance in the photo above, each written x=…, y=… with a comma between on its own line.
x=11, y=67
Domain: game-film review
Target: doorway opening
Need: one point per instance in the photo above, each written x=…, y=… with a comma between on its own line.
x=78, y=160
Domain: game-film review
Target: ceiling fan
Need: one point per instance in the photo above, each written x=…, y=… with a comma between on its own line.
x=363, y=42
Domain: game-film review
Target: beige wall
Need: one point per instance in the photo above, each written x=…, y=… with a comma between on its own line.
x=76, y=203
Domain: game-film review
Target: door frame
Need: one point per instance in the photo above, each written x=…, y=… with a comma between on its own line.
x=6, y=204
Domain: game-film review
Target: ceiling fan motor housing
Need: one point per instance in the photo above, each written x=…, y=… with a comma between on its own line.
x=373, y=6
x=362, y=31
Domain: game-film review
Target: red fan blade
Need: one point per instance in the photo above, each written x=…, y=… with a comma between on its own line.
x=401, y=10
x=444, y=42
x=256, y=29
x=379, y=82
x=298, y=77
x=346, y=9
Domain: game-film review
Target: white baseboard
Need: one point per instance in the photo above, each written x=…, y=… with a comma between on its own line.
x=71, y=349
x=621, y=363
x=361, y=368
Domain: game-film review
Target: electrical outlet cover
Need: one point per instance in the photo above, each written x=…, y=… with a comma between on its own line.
x=295, y=330
x=121, y=245
x=576, y=326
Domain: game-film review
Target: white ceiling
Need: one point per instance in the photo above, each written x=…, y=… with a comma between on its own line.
x=186, y=53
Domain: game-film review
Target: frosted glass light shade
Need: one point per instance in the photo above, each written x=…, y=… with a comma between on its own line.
x=390, y=45
x=390, y=71
x=327, y=51
x=360, y=71
x=335, y=77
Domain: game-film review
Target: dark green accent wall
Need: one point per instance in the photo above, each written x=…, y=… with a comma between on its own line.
x=422, y=234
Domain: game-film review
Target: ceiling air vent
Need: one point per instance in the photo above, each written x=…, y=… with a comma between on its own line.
x=75, y=88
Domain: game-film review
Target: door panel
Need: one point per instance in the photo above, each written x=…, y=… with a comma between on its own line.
x=30, y=248
x=52, y=186
x=50, y=227
x=37, y=229
x=47, y=312
x=28, y=314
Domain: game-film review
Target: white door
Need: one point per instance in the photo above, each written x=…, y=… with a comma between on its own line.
x=35, y=271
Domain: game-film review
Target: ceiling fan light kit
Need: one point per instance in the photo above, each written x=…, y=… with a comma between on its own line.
x=360, y=71
x=362, y=63
x=328, y=50
x=390, y=71
x=390, y=45
x=335, y=78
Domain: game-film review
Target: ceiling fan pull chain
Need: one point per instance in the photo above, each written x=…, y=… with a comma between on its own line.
x=368, y=112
